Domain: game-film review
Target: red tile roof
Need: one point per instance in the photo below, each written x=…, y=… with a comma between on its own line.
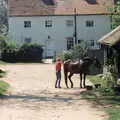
x=57, y=7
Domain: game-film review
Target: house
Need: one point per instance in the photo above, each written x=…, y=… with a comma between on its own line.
x=111, y=45
x=59, y=24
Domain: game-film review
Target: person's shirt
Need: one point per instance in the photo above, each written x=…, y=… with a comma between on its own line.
x=58, y=65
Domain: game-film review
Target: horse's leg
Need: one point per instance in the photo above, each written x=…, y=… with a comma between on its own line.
x=70, y=75
x=80, y=80
x=84, y=80
x=66, y=75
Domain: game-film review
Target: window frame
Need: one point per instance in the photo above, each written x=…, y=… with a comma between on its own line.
x=27, y=24
x=69, y=23
x=70, y=43
x=89, y=23
x=48, y=23
x=28, y=39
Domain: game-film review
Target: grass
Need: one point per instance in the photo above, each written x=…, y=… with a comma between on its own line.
x=3, y=87
x=3, y=62
x=114, y=113
x=108, y=100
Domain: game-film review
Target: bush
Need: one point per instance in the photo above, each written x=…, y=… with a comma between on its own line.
x=23, y=53
x=3, y=42
x=107, y=81
x=30, y=52
x=9, y=54
x=78, y=52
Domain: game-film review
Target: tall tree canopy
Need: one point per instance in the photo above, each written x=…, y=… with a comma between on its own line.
x=3, y=17
x=116, y=15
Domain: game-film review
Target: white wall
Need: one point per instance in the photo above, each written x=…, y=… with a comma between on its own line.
x=59, y=31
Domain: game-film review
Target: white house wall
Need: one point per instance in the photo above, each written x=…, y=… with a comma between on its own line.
x=59, y=31
x=102, y=25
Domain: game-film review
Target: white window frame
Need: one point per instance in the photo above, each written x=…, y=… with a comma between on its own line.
x=69, y=23
x=48, y=23
x=94, y=44
x=70, y=43
x=89, y=23
x=27, y=24
x=27, y=39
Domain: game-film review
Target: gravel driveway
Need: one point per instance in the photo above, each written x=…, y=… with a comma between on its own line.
x=32, y=96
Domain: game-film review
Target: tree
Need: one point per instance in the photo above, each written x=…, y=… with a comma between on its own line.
x=79, y=51
x=116, y=15
x=3, y=17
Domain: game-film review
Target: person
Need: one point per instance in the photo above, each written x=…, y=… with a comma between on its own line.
x=58, y=65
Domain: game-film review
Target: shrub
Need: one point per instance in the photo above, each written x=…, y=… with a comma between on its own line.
x=9, y=54
x=78, y=52
x=3, y=42
x=23, y=53
x=108, y=81
x=30, y=52
x=67, y=55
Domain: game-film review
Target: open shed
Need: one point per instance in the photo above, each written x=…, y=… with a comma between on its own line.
x=111, y=45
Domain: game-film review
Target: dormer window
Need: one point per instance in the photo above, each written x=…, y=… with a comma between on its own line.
x=91, y=1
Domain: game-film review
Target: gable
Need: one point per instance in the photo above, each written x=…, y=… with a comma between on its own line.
x=58, y=7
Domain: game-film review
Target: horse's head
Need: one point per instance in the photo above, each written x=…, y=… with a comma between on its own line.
x=93, y=60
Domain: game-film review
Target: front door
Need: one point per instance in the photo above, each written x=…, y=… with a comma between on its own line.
x=49, y=48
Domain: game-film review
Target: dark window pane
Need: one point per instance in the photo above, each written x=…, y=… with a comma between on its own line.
x=27, y=24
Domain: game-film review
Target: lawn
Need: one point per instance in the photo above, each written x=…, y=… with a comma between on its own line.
x=3, y=87
x=108, y=100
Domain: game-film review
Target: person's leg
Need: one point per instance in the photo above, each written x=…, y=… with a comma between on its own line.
x=57, y=78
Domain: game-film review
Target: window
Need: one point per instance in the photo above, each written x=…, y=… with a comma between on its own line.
x=69, y=23
x=92, y=1
x=70, y=43
x=27, y=39
x=98, y=45
x=48, y=23
x=89, y=23
x=27, y=24
x=92, y=43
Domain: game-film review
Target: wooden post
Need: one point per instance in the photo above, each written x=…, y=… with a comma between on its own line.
x=105, y=59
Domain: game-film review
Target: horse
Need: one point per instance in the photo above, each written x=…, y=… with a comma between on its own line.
x=79, y=67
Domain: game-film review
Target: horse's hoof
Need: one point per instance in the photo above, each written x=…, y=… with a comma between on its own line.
x=89, y=87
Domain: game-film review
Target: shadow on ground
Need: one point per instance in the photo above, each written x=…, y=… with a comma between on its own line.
x=43, y=99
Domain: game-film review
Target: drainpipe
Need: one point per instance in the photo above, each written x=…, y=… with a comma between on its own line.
x=75, y=27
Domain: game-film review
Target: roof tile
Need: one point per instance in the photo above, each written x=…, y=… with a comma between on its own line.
x=57, y=7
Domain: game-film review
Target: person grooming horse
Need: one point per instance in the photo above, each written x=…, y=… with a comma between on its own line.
x=58, y=73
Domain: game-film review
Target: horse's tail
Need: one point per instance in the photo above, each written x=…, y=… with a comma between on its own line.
x=65, y=67
x=65, y=71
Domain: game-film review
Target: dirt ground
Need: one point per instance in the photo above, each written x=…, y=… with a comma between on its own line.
x=32, y=96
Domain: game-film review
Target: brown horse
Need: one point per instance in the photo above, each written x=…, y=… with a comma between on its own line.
x=79, y=67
